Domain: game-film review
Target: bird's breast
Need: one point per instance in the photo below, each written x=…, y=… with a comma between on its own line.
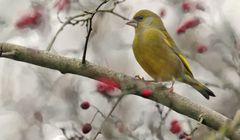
x=156, y=59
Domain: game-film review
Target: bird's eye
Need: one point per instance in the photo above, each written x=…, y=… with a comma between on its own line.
x=138, y=18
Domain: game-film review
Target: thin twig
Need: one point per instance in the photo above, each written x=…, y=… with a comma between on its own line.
x=98, y=111
x=90, y=30
x=163, y=118
x=190, y=125
x=58, y=17
x=109, y=114
x=166, y=114
x=114, y=13
x=198, y=125
x=87, y=21
x=94, y=117
x=61, y=28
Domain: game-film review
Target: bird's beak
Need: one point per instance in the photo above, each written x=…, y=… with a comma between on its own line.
x=132, y=23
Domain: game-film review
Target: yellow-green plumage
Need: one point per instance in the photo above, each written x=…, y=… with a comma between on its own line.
x=158, y=55
x=153, y=56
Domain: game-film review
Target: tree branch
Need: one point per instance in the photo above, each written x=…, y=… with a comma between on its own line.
x=174, y=101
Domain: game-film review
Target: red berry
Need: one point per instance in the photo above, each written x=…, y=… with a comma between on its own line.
x=188, y=138
x=186, y=6
x=174, y=121
x=38, y=116
x=87, y=127
x=62, y=4
x=190, y=23
x=183, y=135
x=175, y=127
x=120, y=126
x=146, y=92
x=30, y=19
x=163, y=12
x=202, y=48
x=199, y=6
x=181, y=29
x=85, y=105
x=106, y=85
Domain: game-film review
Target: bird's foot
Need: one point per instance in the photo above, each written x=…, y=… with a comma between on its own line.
x=171, y=89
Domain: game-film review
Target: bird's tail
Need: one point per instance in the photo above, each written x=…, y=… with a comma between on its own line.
x=198, y=86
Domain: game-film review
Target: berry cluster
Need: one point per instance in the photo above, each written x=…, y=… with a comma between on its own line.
x=176, y=129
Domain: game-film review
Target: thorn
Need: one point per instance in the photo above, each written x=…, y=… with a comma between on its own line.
x=170, y=90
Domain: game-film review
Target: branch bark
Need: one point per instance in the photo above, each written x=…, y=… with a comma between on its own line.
x=174, y=101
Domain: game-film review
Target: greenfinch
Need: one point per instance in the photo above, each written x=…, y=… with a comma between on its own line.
x=157, y=53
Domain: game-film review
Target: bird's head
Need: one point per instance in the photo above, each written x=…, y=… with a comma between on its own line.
x=145, y=18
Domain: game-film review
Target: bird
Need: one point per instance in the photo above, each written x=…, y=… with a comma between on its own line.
x=157, y=53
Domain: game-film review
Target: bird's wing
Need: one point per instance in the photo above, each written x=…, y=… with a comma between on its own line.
x=185, y=63
x=170, y=43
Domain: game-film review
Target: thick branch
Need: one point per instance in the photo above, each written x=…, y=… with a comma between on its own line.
x=70, y=65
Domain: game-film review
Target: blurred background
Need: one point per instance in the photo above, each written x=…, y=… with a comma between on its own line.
x=43, y=104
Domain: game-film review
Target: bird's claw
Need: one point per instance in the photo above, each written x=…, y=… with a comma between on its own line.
x=171, y=89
